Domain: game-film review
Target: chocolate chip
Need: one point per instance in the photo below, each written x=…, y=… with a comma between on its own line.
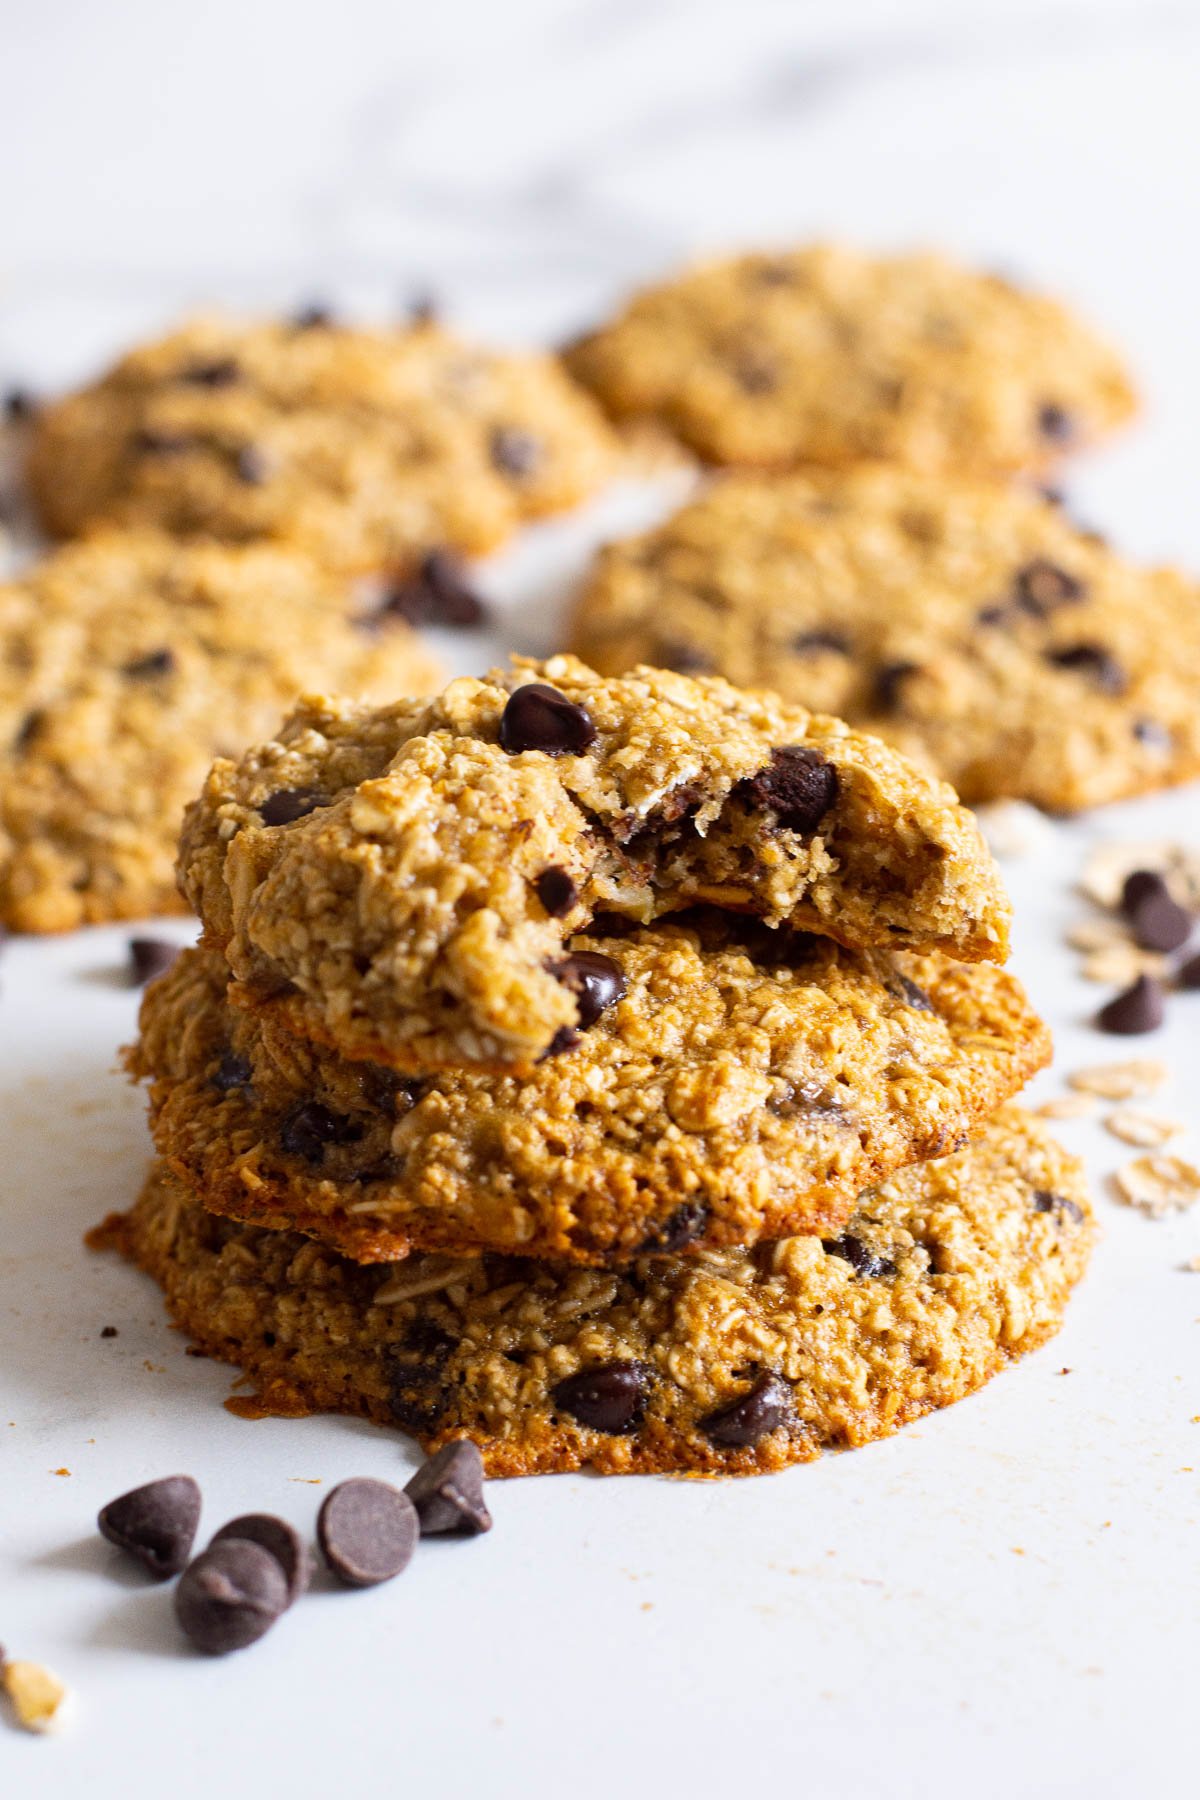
x=762, y=1409
x=447, y=1491
x=278, y=1539
x=515, y=453
x=223, y=372
x=1139, y=885
x=310, y=1126
x=912, y=995
x=423, y=309
x=683, y=659
x=1188, y=974
x=233, y=1072
x=415, y=1375
x=28, y=729
x=1046, y=1201
x=797, y=785
x=155, y=1523
x=610, y=1398
x=1092, y=661
x=538, y=717
x=564, y=1039
x=1041, y=587
x=316, y=316
x=556, y=891
x=230, y=1596
x=109, y=1331
x=160, y=443
x=681, y=1227
x=253, y=465
x=19, y=405
x=1153, y=734
x=1137, y=1010
x=1157, y=919
x=155, y=662
x=889, y=683
x=149, y=957
x=596, y=981
x=367, y=1531
x=288, y=804
x=815, y=643
x=862, y=1260
x=1055, y=422
x=438, y=593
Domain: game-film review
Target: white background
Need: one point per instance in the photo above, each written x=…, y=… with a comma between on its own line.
x=1001, y=1600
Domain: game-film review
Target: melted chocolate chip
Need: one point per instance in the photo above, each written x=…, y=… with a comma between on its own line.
x=288, y=804
x=817, y=643
x=1137, y=1010
x=862, y=1260
x=233, y=1072
x=416, y=1370
x=1041, y=587
x=556, y=891
x=1091, y=660
x=437, y=594
x=681, y=1227
x=683, y=659
x=155, y=1523
x=515, y=453
x=230, y=1596
x=889, y=684
x=596, y=981
x=611, y=1398
x=912, y=995
x=223, y=372
x=565, y=1038
x=751, y=1417
x=154, y=663
x=1055, y=423
x=797, y=785
x=307, y=1129
x=538, y=717
x=1046, y=1201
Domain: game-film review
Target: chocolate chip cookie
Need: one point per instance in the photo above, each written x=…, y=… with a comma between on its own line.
x=128, y=662
x=730, y=1362
x=824, y=355
x=741, y=1084
x=365, y=448
x=973, y=626
x=399, y=882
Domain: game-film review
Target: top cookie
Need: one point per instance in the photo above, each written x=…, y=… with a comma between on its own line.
x=126, y=663
x=399, y=882
x=825, y=355
x=971, y=625
x=366, y=448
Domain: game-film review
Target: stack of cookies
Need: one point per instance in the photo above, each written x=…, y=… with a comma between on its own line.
x=612, y=1070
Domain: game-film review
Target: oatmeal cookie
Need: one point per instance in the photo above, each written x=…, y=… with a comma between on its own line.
x=365, y=448
x=399, y=882
x=126, y=663
x=825, y=355
x=973, y=626
x=731, y=1362
x=747, y=1084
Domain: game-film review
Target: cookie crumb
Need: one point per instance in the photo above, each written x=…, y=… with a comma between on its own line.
x=1148, y=1130
x=36, y=1694
x=1159, y=1185
x=1120, y=1081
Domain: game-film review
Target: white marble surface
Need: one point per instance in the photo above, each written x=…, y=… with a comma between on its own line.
x=1000, y=1601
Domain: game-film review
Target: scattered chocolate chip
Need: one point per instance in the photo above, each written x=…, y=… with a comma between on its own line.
x=1055, y=422
x=1153, y=734
x=19, y=405
x=155, y=662
x=155, y=1523
x=1090, y=660
x=515, y=453
x=367, y=1531
x=278, y=1539
x=415, y=1374
x=160, y=443
x=288, y=804
x=230, y=1596
x=149, y=957
x=1188, y=973
x=1046, y=1201
x=596, y=981
x=681, y=1227
x=1157, y=919
x=253, y=465
x=233, y=1072
x=223, y=372
x=556, y=891
x=1139, y=885
x=307, y=1129
x=538, y=717
x=815, y=643
x=683, y=659
x=438, y=593
x=1138, y=1009
x=889, y=683
x=762, y=1409
x=1041, y=587
x=862, y=1260
x=912, y=995
x=610, y=1398
x=447, y=1491
x=109, y=1331
x=316, y=316
x=798, y=785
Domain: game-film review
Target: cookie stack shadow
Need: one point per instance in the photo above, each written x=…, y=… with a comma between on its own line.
x=617, y=1072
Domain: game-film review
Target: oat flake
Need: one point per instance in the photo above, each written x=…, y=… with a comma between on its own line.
x=1158, y=1185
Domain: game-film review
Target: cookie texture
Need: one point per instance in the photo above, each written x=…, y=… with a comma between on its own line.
x=365, y=448
x=399, y=882
x=747, y=1084
x=825, y=355
x=732, y=1362
x=973, y=626
x=126, y=663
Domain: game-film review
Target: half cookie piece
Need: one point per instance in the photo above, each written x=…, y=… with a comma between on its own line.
x=742, y=1084
x=825, y=355
x=973, y=626
x=400, y=883
x=127, y=663
x=733, y=1362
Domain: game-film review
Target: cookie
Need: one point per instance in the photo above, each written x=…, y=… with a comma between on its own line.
x=365, y=448
x=747, y=1084
x=827, y=356
x=732, y=1362
x=973, y=626
x=399, y=882
x=128, y=662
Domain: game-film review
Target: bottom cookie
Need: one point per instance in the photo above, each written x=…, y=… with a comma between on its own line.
x=729, y=1362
